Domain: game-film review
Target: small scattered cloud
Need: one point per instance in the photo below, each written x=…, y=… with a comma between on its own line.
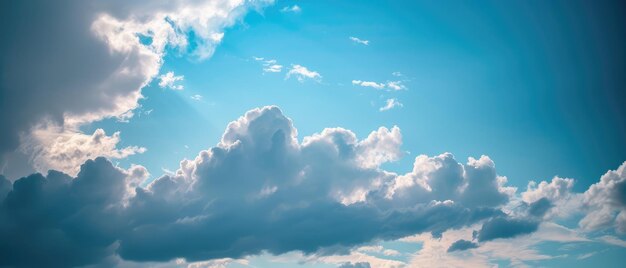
x=390, y=85
x=586, y=256
x=270, y=65
x=396, y=74
x=395, y=85
x=196, y=97
x=291, y=9
x=390, y=104
x=169, y=80
x=359, y=41
x=368, y=84
x=301, y=73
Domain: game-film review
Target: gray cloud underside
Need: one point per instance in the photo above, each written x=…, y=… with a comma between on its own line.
x=259, y=190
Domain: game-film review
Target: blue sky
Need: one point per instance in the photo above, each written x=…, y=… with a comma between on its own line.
x=520, y=82
x=536, y=87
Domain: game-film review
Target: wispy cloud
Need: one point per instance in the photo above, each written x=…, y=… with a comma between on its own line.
x=292, y=9
x=609, y=239
x=368, y=84
x=196, y=97
x=390, y=85
x=359, y=41
x=270, y=65
x=301, y=73
x=390, y=104
x=169, y=80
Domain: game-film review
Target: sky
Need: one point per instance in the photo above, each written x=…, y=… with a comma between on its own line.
x=260, y=133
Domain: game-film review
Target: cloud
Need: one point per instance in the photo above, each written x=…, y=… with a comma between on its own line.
x=368, y=84
x=505, y=228
x=301, y=73
x=65, y=150
x=391, y=86
x=612, y=240
x=56, y=220
x=355, y=265
x=292, y=9
x=101, y=53
x=269, y=66
x=606, y=201
x=462, y=244
x=169, y=79
x=390, y=104
x=196, y=97
x=259, y=190
x=519, y=251
x=359, y=41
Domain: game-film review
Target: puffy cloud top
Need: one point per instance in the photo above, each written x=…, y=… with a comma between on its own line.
x=259, y=190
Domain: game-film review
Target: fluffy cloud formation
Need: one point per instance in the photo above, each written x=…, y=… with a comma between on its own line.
x=606, y=201
x=169, y=80
x=66, y=150
x=99, y=52
x=259, y=190
x=301, y=73
x=262, y=190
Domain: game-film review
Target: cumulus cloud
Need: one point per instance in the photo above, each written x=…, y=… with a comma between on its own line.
x=259, y=190
x=66, y=150
x=359, y=41
x=390, y=104
x=301, y=73
x=57, y=220
x=196, y=97
x=391, y=85
x=169, y=80
x=606, y=201
x=101, y=53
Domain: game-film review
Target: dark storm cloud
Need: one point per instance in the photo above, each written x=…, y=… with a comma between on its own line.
x=259, y=190
x=462, y=244
x=501, y=227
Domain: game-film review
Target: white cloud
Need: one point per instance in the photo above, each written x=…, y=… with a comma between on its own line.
x=359, y=41
x=606, y=202
x=396, y=74
x=196, y=97
x=65, y=149
x=390, y=104
x=292, y=9
x=169, y=80
x=391, y=85
x=612, y=240
x=269, y=66
x=301, y=73
x=100, y=56
x=368, y=84
x=396, y=85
